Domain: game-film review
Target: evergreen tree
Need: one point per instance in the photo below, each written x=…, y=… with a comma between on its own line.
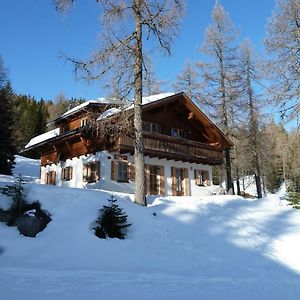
x=294, y=199
x=17, y=195
x=7, y=150
x=112, y=221
x=29, y=119
x=272, y=161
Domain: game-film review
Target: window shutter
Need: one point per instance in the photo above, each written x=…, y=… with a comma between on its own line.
x=63, y=174
x=147, y=179
x=52, y=177
x=197, y=177
x=173, y=174
x=70, y=173
x=131, y=171
x=206, y=176
x=97, y=170
x=114, y=170
x=186, y=187
x=46, y=178
x=161, y=180
x=85, y=173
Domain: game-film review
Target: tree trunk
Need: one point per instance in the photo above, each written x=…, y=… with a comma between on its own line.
x=264, y=184
x=229, y=183
x=258, y=179
x=258, y=186
x=238, y=188
x=138, y=123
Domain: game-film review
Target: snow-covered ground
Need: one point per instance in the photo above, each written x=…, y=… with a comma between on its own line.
x=217, y=247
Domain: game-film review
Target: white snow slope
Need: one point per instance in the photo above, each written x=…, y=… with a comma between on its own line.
x=218, y=247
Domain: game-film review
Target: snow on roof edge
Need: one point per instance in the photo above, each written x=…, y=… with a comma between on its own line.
x=43, y=137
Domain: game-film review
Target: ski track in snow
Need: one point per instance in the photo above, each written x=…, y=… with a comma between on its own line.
x=118, y=285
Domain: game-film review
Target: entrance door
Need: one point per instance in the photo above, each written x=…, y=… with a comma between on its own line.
x=180, y=182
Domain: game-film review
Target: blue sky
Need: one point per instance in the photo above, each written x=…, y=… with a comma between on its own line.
x=33, y=35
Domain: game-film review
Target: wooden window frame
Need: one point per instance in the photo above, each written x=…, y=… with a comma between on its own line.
x=152, y=127
x=160, y=177
x=180, y=133
x=120, y=169
x=122, y=175
x=92, y=171
x=202, y=177
x=64, y=129
x=83, y=122
x=185, y=191
x=67, y=173
x=50, y=177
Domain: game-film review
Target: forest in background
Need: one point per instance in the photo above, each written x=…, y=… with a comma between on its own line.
x=232, y=84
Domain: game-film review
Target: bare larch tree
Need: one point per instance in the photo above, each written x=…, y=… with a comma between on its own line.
x=250, y=77
x=283, y=46
x=188, y=81
x=219, y=73
x=120, y=57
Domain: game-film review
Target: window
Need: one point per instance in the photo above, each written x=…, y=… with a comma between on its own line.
x=202, y=178
x=83, y=122
x=180, y=181
x=152, y=127
x=91, y=172
x=50, y=177
x=154, y=172
x=120, y=169
x=155, y=180
x=179, y=133
x=67, y=173
x=64, y=129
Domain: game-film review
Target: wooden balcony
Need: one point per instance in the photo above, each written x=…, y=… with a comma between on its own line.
x=163, y=146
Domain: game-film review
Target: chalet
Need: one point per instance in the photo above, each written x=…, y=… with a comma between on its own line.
x=181, y=144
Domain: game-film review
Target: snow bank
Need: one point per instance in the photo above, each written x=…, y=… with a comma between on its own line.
x=217, y=247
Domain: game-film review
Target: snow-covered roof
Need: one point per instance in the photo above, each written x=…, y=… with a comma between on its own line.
x=108, y=113
x=55, y=132
x=86, y=103
x=43, y=137
x=156, y=97
x=145, y=100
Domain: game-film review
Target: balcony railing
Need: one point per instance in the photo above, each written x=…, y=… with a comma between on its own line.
x=162, y=146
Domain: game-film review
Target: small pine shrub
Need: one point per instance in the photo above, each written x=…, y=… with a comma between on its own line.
x=20, y=208
x=17, y=195
x=294, y=199
x=112, y=221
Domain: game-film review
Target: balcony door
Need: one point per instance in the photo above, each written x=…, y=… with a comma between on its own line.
x=180, y=182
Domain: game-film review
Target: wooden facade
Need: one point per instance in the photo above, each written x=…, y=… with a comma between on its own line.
x=174, y=129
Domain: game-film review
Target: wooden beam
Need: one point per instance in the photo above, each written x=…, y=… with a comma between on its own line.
x=191, y=115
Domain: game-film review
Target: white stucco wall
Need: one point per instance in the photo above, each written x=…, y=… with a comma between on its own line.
x=105, y=181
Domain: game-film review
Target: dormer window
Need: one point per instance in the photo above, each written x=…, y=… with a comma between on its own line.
x=179, y=133
x=64, y=129
x=83, y=122
x=151, y=127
